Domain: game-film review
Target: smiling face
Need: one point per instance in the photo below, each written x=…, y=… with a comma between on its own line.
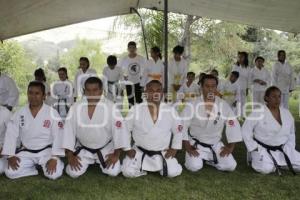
x=209, y=88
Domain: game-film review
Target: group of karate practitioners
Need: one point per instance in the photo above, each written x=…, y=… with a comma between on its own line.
x=150, y=135
x=93, y=129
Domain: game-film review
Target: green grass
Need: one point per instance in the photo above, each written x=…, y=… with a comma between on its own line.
x=208, y=183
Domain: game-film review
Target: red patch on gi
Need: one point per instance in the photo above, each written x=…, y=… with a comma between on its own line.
x=180, y=127
x=47, y=123
x=60, y=125
x=118, y=124
x=231, y=123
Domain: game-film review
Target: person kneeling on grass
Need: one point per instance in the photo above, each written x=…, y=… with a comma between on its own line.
x=270, y=136
x=153, y=123
x=5, y=116
x=204, y=121
x=39, y=129
x=97, y=126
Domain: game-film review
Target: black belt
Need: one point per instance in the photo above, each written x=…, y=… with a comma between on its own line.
x=279, y=148
x=113, y=83
x=197, y=142
x=152, y=153
x=66, y=106
x=33, y=150
x=93, y=151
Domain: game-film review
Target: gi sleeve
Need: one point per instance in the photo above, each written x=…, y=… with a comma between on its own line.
x=121, y=135
x=274, y=75
x=57, y=131
x=13, y=95
x=248, y=132
x=292, y=137
x=11, y=136
x=233, y=128
x=69, y=134
x=5, y=115
x=292, y=79
x=177, y=128
x=186, y=117
x=144, y=77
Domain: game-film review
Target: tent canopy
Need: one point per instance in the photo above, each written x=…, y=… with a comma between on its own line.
x=27, y=16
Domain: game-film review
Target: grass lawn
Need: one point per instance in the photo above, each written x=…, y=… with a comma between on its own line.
x=208, y=183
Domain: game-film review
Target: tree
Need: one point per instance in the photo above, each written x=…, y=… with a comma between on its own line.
x=83, y=48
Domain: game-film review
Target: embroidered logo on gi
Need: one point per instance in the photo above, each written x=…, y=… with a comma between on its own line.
x=22, y=119
x=180, y=127
x=118, y=124
x=231, y=123
x=47, y=123
x=60, y=125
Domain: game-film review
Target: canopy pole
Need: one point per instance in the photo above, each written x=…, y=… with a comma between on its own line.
x=143, y=30
x=166, y=46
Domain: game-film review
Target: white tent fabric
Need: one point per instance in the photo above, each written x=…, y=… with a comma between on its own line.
x=19, y=17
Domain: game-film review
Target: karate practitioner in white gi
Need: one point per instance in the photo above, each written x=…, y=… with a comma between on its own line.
x=269, y=135
x=39, y=129
x=5, y=116
x=260, y=78
x=157, y=134
x=97, y=126
x=204, y=121
x=282, y=77
x=190, y=90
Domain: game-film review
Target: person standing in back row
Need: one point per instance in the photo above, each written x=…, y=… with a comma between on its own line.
x=133, y=66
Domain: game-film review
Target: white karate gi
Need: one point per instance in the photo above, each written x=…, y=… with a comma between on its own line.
x=105, y=129
x=153, y=71
x=282, y=77
x=80, y=79
x=244, y=83
x=231, y=94
x=153, y=137
x=9, y=94
x=209, y=131
x=34, y=133
x=5, y=116
x=176, y=74
x=112, y=80
x=62, y=92
x=188, y=93
x=259, y=90
x=266, y=129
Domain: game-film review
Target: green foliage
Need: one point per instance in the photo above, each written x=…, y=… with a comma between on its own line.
x=83, y=48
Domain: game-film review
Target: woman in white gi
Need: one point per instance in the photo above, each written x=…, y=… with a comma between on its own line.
x=282, y=74
x=177, y=71
x=204, y=121
x=154, y=69
x=113, y=76
x=63, y=93
x=269, y=135
x=83, y=73
x=97, y=126
x=242, y=66
x=152, y=124
x=39, y=129
x=39, y=75
x=5, y=116
x=260, y=79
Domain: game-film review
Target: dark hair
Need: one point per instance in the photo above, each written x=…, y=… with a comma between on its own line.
x=191, y=73
x=156, y=49
x=178, y=49
x=153, y=82
x=37, y=84
x=40, y=73
x=131, y=43
x=201, y=77
x=85, y=59
x=111, y=60
x=208, y=76
x=214, y=70
x=270, y=90
x=259, y=57
x=281, y=51
x=63, y=69
x=246, y=61
x=235, y=73
x=93, y=80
